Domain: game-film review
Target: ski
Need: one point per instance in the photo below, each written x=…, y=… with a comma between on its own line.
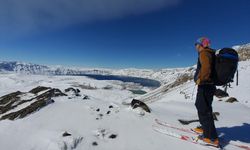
x=165, y=124
x=190, y=139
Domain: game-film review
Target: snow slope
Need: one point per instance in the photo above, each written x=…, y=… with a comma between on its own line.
x=123, y=128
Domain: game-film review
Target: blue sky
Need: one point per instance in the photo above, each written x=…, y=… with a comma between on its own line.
x=119, y=34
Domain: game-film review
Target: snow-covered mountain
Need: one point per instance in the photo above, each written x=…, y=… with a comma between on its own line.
x=20, y=67
x=29, y=68
x=162, y=75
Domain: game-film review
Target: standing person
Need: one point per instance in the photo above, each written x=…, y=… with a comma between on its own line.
x=206, y=88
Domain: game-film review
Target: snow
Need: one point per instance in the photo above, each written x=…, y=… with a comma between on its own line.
x=43, y=130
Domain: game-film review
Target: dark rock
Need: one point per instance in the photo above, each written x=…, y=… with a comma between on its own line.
x=231, y=100
x=85, y=97
x=40, y=101
x=112, y=136
x=137, y=103
x=215, y=117
x=78, y=91
x=94, y=143
x=12, y=105
x=49, y=94
x=220, y=93
x=216, y=113
x=11, y=101
x=111, y=106
x=108, y=112
x=28, y=110
x=65, y=134
x=75, y=91
x=39, y=89
x=70, y=89
x=10, y=97
x=98, y=110
x=78, y=95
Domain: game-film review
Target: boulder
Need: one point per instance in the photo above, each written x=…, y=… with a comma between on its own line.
x=85, y=97
x=137, y=103
x=231, y=100
x=75, y=91
x=65, y=134
x=220, y=93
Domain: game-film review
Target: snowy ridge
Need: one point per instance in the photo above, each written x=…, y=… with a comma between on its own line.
x=29, y=68
x=20, y=67
x=163, y=75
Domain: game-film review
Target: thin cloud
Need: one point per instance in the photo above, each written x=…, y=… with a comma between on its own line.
x=34, y=15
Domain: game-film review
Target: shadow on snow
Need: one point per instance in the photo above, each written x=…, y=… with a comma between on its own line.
x=236, y=133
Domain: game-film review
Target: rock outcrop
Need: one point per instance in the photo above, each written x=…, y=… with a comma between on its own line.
x=13, y=100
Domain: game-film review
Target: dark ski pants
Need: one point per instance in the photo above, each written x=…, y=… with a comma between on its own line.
x=203, y=104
